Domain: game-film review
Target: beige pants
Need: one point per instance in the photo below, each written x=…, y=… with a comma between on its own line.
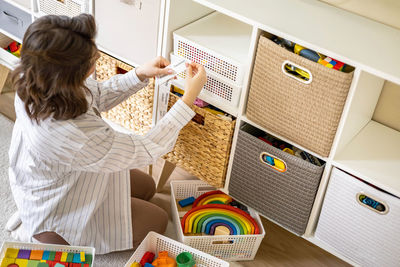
x=146, y=216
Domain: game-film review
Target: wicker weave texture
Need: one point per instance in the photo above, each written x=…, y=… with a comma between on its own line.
x=286, y=198
x=202, y=150
x=135, y=113
x=360, y=234
x=307, y=114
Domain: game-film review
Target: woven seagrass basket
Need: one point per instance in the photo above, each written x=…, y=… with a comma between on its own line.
x=202, y=148
x=305, y=113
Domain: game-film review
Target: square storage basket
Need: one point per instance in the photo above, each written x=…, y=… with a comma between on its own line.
x=155, y=243
x=217, y=92
x=284, y=197
x=69, y=8
x=196, y=142
x=226, y=247
x=305, y=113
x=48, y=247
x=5, y=55
x=362, y=234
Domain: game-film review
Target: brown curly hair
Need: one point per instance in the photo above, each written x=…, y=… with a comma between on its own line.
x=57, y=54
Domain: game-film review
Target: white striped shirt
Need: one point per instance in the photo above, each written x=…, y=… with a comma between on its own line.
x=72, y=176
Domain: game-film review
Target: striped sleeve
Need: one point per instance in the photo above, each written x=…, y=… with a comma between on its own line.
x=109, y=151
x=112, y=92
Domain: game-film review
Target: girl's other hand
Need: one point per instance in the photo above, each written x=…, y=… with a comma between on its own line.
x=196, y=77
x=155, y=67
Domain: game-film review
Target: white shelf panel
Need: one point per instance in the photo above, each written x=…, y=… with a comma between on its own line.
x=340, y=34
x=222, y=34
x=247, y=120
x=374, y=156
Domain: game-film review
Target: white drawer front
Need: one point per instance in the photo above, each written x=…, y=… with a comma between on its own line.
x=127, y=31
x=355, y=230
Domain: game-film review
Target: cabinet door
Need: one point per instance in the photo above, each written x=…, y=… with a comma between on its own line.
x=127, y=31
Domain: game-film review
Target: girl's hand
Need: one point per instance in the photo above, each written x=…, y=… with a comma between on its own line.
x=195, y=79
x=153, y=68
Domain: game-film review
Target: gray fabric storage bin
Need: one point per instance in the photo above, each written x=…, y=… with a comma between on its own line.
x=284, y=197
x=13, y=19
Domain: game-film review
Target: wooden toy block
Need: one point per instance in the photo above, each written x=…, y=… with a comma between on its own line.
x=32, y=263
x=21, y=262
x=24, y=254
x=70, y=257
x=42, y=264
x=12, y=253
x=88, y=259
x=221, y=230
x=7, y=261
x=52, y=255
x=77, y=258
x=36, y=255
x=46, y=255
x=82, y=256
x=64, y=256
x=57, y=256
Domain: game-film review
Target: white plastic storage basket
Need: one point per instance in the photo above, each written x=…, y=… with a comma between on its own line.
x=360, y=221
x=217, y=92
x=69, y=8
x=218, y=42
x=226, y=247
x=48, y=247
x=6, y=56
x=155, y=243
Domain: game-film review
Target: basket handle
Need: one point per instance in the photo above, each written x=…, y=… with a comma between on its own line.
x=372, y=203
x=273, y=162
x=12, y=17
x=296, y=72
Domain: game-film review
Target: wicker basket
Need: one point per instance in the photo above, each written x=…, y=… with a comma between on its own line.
x=202, y=150
x=284, y=197
x=305, y=113
x=135, y=113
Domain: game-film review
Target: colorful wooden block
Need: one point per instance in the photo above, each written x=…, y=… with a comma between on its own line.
x=36, y=255
x=32, y=263
x=46, y=255
x=21, y=262
x=70, y=257
x=57, y=256
x=64, y=256
x=88, y=259
x=12, y=253
x=77, y=258
x=42, y=264
x=82, y=256
x=24, y=254
x=7, y=261
x=52, y=255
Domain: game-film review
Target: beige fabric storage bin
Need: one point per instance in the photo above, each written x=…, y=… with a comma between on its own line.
x=367, y=236
x=202, y=149
x=307, y=114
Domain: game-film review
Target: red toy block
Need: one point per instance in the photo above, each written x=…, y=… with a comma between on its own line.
x=148, y=257
x=57, y=257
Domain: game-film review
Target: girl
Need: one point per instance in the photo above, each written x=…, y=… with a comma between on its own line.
x=69, y=171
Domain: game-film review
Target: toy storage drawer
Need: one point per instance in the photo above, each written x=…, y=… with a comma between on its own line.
x=305, y=113
x=13, y=19
x=366, y=235
x=284, y=197
x=127, y=31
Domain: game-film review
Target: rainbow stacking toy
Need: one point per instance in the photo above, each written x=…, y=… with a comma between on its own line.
x=211, y=210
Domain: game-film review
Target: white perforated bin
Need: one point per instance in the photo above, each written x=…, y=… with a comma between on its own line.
x=218, y=42
x=226, y=247
x=69, y=8
x=355, y=230
x=217, y=91
x=155, y=243
x=49, y=247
